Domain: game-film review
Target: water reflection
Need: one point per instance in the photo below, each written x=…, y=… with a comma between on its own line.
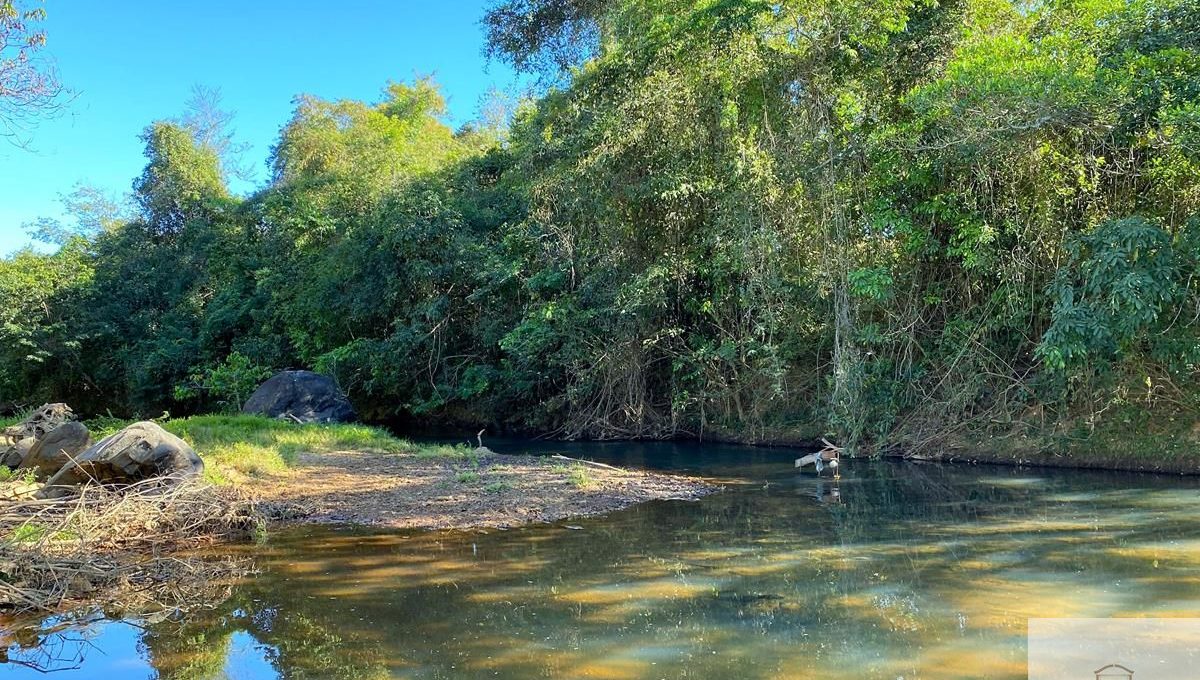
x=898, y=570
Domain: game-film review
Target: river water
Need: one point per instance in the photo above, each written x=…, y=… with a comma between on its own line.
x=897, y=570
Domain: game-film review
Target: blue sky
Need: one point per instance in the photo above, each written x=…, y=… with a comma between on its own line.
x=135, y=61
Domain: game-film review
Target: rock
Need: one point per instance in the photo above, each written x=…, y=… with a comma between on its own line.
x=56, y=448
x=302, y=396
x=15, y=453
x=141, y=451
x=42, y=421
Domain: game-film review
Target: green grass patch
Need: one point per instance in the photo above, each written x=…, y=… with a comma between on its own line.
x=233, y=445
x=28, y=533
x=450, y=451
x=256, y=446
x=576, y=474
x=579, y=477
x=10, y=475
x=102, y=426
x=467, y=477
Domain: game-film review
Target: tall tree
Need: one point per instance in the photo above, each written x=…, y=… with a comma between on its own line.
x=29, y=85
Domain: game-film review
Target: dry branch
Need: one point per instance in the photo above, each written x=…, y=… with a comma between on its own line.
x=118, y=545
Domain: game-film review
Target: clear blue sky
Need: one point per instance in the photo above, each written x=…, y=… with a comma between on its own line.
x=134, y=61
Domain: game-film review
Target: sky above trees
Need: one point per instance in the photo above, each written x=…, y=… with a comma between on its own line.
x=134, y=62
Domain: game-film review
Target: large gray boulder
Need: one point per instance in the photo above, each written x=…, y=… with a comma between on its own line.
x=56, y=448
x=302, y=396
x=140, y=451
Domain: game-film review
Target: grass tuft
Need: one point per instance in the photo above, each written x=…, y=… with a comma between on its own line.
x=576, y=474
x=579, y=476
x=8, y=474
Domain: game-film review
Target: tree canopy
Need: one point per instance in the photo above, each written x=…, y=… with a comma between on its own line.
x=897, y=222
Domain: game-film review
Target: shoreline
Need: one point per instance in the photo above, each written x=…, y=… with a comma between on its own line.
x=1023, y=453
x=474, y=490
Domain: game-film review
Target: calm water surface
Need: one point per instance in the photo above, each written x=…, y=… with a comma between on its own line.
x=897, y=571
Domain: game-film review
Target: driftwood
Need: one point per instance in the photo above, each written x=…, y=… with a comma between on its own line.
x=830, y=454
x=587, y=462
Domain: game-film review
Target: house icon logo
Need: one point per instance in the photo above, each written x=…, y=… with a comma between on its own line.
x=1114, y=671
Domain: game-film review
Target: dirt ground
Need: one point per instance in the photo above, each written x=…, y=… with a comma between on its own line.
x=492, y=490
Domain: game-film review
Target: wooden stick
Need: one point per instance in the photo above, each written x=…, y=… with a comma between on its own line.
x=587, y=462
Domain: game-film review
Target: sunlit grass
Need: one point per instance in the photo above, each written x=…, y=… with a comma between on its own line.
x=458, y=451
x=579, y=477
x=576, y=474
x=257, y=446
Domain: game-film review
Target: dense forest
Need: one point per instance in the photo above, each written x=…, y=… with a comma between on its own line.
x=903, y=223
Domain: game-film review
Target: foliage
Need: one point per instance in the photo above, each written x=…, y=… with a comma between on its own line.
x=230, y=382
x=904, y=221
x=1120, y=286
x=29, y=86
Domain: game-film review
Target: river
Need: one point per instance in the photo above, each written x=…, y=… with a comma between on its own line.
x=897, y=570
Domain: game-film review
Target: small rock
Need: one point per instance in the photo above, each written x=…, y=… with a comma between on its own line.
x=23, y=435
x=15, y=453
x=56, y=448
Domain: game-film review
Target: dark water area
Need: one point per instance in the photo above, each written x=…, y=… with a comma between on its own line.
x=896, y=570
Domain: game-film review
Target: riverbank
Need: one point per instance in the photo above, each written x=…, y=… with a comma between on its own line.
x=126, y=547
x=362, y=475
x=358, y=474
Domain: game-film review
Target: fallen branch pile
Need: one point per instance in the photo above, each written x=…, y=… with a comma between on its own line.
x=118, y=546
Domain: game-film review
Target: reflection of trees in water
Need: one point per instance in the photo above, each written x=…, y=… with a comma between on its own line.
x=758, y=580
x=56, y=644
x=300, y=638
x=917, y=567
x=192, y=650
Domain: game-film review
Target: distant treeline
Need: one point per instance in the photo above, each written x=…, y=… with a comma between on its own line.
x=899, y=222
